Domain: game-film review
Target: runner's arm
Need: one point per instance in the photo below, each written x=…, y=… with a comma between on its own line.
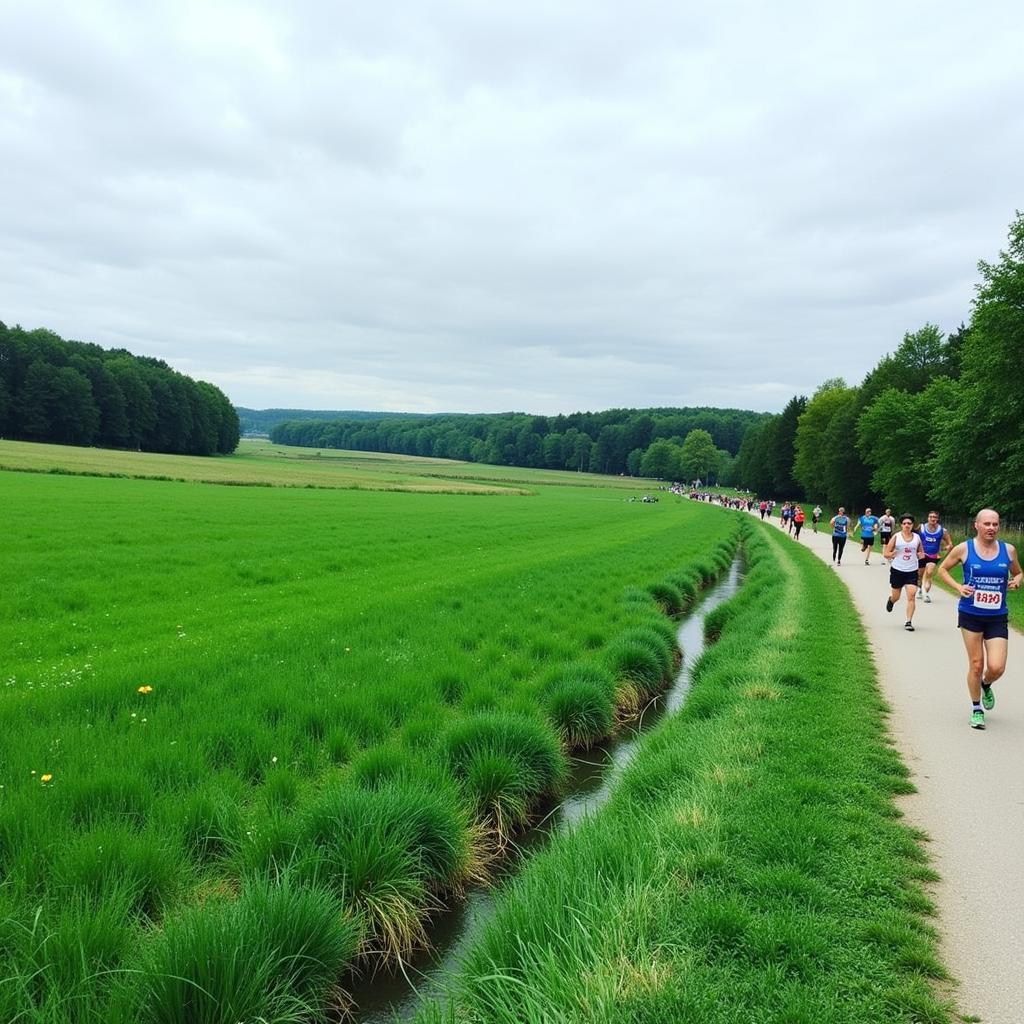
x=1016, y=575
x=955, y=557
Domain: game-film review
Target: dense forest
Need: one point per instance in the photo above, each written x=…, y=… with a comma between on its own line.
x=666, y=443
x=937, y=423
x=72, y=392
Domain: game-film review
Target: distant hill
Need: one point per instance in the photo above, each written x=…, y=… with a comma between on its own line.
x=261, y=421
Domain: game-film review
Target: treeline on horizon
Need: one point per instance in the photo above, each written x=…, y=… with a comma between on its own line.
x=262, y=421
x=77, y=393
x=663, y=442
x=936, y=424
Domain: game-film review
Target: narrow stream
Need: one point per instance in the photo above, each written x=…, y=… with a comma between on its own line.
x=593, y=775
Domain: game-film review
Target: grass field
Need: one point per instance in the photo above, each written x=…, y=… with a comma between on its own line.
x=253, y=735
x=260, y=463
x=751, y=866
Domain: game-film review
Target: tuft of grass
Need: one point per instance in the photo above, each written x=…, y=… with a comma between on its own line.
x=580, y=709
x=641, y=658
x=668, y=597
x=275, y=954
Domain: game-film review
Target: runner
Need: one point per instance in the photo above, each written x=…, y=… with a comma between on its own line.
x=762, y=508
x=991, y=567
x=816, y=517
x=840, y=524
x=934, y=537
x=798, y=520
x=866, y=524
x=903, y=551
x=886, y=525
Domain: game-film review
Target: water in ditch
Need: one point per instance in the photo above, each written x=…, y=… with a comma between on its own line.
x=388, y=995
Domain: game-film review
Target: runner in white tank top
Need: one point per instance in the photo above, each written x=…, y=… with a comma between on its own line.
x=903, y=552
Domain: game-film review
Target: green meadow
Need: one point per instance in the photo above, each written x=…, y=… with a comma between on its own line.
x=751, y=865
x=256, y=735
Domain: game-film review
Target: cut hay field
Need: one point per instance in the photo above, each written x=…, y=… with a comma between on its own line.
x=253, y=736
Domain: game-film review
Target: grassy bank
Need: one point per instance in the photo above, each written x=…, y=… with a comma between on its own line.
x=752, y=865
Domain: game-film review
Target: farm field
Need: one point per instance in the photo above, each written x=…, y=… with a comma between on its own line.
x=260, y=463
x=261, y=732
x=751, y=865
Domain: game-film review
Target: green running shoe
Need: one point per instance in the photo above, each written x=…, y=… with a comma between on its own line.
x=977, y=719
x=988, y=698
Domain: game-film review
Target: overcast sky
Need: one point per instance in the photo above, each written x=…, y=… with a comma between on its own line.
x=484, y=206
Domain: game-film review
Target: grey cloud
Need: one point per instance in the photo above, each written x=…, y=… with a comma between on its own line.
x=452, y=206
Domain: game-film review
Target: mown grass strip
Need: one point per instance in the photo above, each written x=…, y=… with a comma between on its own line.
x=751, y=866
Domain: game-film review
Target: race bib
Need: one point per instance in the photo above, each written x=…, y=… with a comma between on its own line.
x=988, y=599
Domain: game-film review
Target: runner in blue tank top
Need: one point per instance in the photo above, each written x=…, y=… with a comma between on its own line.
x=991, y=568
x=934, y=539
x=867, y=525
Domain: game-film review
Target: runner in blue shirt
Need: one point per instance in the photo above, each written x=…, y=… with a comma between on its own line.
x=867, y=524
x=840, y=524
x=934, y=539
x=991, y=568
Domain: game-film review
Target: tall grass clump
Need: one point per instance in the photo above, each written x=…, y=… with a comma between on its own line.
x=750, y=865
x=61, y=964
x=274, y=954
x=669, y=597
x=506, y=763
x=580, y=708
x=641, y=657
x=355, y=842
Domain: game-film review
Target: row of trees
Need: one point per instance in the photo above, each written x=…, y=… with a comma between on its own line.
x=615, y=441
x=937, y=423
x=71, y=392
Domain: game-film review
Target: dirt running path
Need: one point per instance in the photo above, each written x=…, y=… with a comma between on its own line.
x=970, y=797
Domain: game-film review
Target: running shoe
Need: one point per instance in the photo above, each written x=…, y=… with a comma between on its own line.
x=908, y=626
x=927, y=598
x=977, y=719
x=988, y=698
x=888, y=604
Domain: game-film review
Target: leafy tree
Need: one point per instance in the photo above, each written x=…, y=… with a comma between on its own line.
x=699, y=456
x=660, y=461
x=979, y=452
x=895, y=436
x=814, y=463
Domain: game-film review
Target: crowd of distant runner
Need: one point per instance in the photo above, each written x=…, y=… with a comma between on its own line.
x=914, y=553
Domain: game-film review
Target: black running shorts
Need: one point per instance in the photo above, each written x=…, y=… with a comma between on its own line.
x=898, y=580
x=991, y=627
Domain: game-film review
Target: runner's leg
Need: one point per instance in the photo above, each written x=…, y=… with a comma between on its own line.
x=911, y=601
x=975, y=646
x=995, y=659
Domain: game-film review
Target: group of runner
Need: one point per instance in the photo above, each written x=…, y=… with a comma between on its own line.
x=914, y=554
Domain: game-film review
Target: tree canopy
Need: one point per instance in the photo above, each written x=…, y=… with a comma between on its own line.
x=72, y=392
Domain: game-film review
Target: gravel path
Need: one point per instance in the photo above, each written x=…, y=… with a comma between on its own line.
x=970, y=783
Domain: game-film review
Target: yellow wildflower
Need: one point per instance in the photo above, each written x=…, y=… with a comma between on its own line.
x=45, y=778
x=145, y=689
